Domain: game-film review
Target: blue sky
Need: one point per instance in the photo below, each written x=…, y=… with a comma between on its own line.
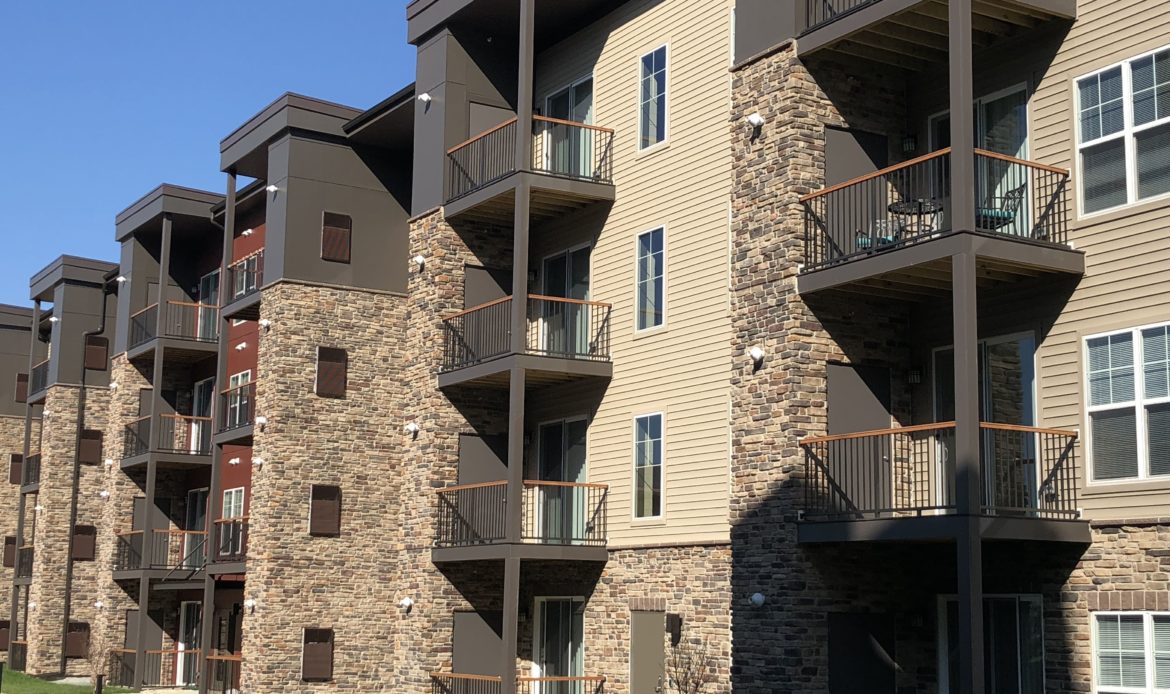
x=102, y=101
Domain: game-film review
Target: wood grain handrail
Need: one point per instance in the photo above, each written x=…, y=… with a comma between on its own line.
x=132, y=422
x=1022, y=162
x=501, y=126
x=473, y=309
x=195, y=304
x=23, y=547
x=1028, y=429
x=122, y=650
x=245, y=258
x=128, y=533
x=578, y=485
x=193, y=418
x=583, y=302
x=878, y=432
x=230, y=658
x=42, y=363
x=598, y=679
x=172, y=651
x=877, y=174
x=253, y=382
x=144, y=310
x=561, y=121
x=225, y=521
x=168, y=531
x=469, y=678
x=467, y=487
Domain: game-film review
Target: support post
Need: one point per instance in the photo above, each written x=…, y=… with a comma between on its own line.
x=969, y=480
x=511, y=623
x=160, y=318
x=16, y=626
x=524, y=85
x=144, y=583
x=519, y=326
x=962, y=94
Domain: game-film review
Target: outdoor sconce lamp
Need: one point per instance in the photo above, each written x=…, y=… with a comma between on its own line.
x=121, y=279
x=32, y=606
x=909, y=144
x=420, y=262
x=756, y=121
x=266, y=324
x=109, y=462
x=250, y=605
x=271, y=188
x=425, y=98
x=406, y=604
x=38, y=508
x=99, y=604
x=53, y=319
x=241, y=347
x=113, y=385
x=261, y=422
x=257, y=463
x=757, y=355
x=674, y=628
x=234, y=461
x=104, y=494
x=757, y=600
x=248, y=232
x=412, y=428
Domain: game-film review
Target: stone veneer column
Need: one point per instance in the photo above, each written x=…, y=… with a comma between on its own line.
x=53, y=530
x=11, y=441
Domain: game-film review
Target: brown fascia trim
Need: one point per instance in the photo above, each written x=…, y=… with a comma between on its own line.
x=286, y=101
x=751, y=60
x=166, y=197
x=243, y=195
x=69, y=268
x=1132, y=522
x=400, y=98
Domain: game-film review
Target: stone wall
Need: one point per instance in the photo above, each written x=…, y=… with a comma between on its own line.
x=58, y=447
x=11, y=441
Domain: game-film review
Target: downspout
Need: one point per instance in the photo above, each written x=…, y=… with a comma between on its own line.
x=77, y=475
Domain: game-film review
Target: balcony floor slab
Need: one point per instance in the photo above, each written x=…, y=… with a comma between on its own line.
x=542, y=370
x=942, y=528
x=523, y=550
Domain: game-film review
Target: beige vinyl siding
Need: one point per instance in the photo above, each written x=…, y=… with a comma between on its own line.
x=1127, y=251
x=683, y=368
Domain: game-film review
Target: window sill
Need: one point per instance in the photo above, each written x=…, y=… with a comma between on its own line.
x=1099, y=489
x=652, y=149
x=646, y=333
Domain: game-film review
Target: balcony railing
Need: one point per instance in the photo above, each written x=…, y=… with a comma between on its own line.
x=30, y=472
x=230, y=543
x=120, y=667
x=136, y=437
x=24, y=562
x=559, y=148
x=223, y=673
x=559, y=513
x=182, y=320
x=451, y=683
x=564, y=328
x=821, y=12
x=565, y=513
x=170, y=549
x=185, y=434
x=17, y=655
x=167, y=668
x=39, y=379
x=911, y=202
x=237, y=407
x=128, y=551
x=246, y=275
x=909, y=471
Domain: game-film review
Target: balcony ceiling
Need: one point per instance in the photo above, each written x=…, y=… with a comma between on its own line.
x=500, y=19
x=915, y=38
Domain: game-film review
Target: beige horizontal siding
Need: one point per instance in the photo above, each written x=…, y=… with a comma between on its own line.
x=683, y=369
x=1127, y=278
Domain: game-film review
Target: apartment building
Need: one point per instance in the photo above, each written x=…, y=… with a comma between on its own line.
x=55, y=586
x=961, y=210
x=15, y=340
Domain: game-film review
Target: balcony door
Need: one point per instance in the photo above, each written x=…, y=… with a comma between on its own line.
x=1013, y=645
x=1007, y=382
x=565, y=322
x=1001, y=188
x=195, y=546
x=559, y=644
x=202, y=395
x=187, y=645
x=568, y=149
x=562, y=459
x=208, y=296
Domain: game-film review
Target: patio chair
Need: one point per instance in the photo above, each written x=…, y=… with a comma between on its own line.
x=1000, y=211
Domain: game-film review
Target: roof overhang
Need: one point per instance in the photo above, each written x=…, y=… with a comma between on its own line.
x=68, y=268
x=165, y=199
x=246, y=148
x=388, y=124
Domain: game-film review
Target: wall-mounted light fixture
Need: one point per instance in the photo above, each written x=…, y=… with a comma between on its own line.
x=757, y=355
x=257, y=462
x=241, y=346
x=271, y=188
x=406, y=604
x=109, y=462
x=99, y=604
x=104, y=494
x=756, y=120
x=909, y=144
x=757, y=600
x=412, y=428
x=424, y=98
x=234, y=461
x=261, y=422
x=53, y=319
x=113, y=385
x=265, y=323
x=38, y=508
x=420, y=261
x=32, y=606
x=121, y=279
x=247, y=232
x=250, y=605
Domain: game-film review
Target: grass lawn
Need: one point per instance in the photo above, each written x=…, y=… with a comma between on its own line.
x=19, y=683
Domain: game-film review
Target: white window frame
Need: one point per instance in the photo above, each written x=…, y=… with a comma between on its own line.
x=638, y=279
x=223, y=506
x=1138, y=404
x=1128, y=131
x=1148, y=643
x=634, y=468
x=665, y=47
x=236, y=381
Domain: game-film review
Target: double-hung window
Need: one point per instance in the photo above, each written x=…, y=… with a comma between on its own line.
x=1128, y=386
x=239, y=400
x=246, y=275
x=1132, y=652
x=231, y=534
x=651, y=299
x=1124, y=132
x=652, y=100
x=648, y=466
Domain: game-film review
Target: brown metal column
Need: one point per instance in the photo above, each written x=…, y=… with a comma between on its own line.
x=160, y=320
x=511, y=626
x=524, y=86
x=144, y=582
x=968, y=483
x=962, y=95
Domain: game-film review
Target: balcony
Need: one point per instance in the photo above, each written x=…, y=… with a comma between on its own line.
x=566, y=339
x=237, y=412
x=230, y=544
x=558, y=520
x=191, y=330
x=245, y=279
x=911, y=33
x=38, y=380
x=30, y=472
x=136, y=437
x=891, y=231
x=171, y=551
x=572, y=166
x=451, y=683
x=184, y=441
x=900, y=484
x=223, y=670
x=24, y=562
x=160, y=668
x=17, y=655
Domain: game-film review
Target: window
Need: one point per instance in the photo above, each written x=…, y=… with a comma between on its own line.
x=651, y=291
x=317, y=654
x=97, y=352
x=652, y=115
x=84, y=542
x=325, y=510
x=336, y=232
x=233, y=503
x=332, y=372
x=648, y=466
x=1124, y=141
x=246, y=275
x=239, y=401
x=1128, y=375
x=1132, y=652
x=15, y=468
